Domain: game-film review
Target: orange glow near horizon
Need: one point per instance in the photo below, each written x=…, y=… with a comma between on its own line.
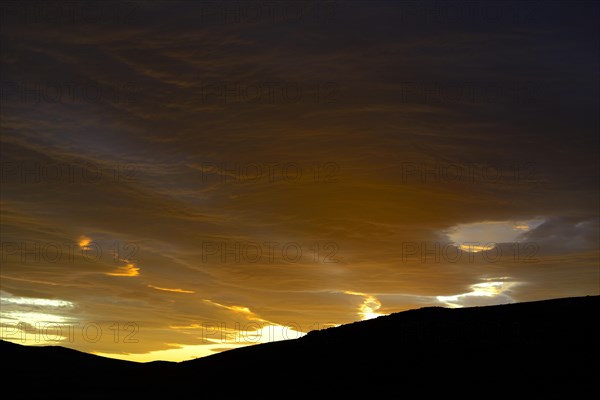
x=126, y=270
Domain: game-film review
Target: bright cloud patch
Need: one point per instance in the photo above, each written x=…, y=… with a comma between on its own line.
x=368, y=309
x=22, y=316
x=481, y=236
x=84, y=242
x=31, y=301
x=32, y=318
x=491, y=292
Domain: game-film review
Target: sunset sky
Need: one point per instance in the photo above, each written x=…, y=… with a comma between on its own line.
x=180, y=178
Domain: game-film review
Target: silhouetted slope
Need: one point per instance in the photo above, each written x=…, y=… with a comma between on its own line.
x=547, y=346
x=527, y=341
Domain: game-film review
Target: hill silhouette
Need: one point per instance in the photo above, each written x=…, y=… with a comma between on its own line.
x=542, y=346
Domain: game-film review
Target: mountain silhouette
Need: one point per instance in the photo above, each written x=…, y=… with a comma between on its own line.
x=543, y=347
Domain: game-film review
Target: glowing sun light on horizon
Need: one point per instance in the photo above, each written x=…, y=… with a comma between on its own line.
x=84, y=242
x=368, y=309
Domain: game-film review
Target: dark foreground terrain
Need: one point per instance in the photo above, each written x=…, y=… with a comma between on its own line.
x=544, y=347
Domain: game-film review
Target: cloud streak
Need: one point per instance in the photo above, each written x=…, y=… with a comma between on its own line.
x=171, y=289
